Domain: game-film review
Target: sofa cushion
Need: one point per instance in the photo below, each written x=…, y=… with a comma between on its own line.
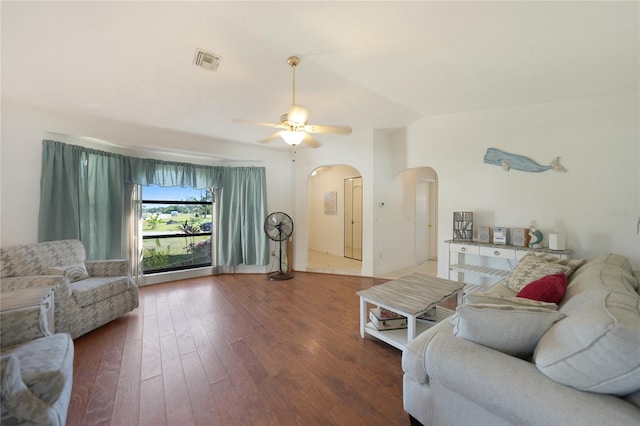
x=596, y=347
x=95, y=289
x=46, y=364
x=531, y=268
x=546, y=289
x=73, y=273
x=511, y=329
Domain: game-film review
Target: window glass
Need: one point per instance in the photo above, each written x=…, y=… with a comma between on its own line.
x=177, y=228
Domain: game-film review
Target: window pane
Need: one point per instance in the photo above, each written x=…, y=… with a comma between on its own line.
x=177, y=233
x=180, y=252
x=177, y=193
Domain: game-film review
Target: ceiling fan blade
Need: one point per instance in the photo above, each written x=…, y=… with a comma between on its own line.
x=259, y=123
x=269, y=138
x=311, y=141
x=320, y=128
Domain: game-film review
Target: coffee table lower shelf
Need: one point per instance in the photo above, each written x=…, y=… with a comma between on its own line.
x=398, y=338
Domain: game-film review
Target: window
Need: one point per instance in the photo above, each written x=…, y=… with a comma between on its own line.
x=178, y=228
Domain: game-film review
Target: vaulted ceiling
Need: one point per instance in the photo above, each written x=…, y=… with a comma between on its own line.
x=365, y=64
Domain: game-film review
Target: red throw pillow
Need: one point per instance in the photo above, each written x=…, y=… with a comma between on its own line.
x=547, y=289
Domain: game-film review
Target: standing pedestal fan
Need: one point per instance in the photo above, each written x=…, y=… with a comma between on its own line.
x=278, y=226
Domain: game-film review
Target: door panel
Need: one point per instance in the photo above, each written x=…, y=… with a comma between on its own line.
x=353, y=218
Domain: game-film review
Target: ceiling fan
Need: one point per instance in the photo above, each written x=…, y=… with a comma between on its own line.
x=294, y=125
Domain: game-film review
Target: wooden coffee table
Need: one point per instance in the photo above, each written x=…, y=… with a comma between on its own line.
x=409, y=296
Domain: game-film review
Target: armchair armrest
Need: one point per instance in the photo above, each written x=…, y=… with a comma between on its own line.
x=107, y=268
x=17, y=399
x=514, y=389
x=22, y=325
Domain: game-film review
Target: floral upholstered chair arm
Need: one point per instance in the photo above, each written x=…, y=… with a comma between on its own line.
x=17, y=399
x=107, y=268
x=22, y=325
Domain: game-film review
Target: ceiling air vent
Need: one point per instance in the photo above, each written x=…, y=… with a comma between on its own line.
x=206, y=60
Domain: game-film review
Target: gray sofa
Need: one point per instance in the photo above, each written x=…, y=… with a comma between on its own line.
x=576, y=363
x=88, y=294
x=36, y=369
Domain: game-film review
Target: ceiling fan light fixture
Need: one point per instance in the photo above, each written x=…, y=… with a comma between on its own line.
x=296, y=130
x=292, y=137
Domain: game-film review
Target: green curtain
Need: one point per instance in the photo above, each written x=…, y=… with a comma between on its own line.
x=59, y=216
x=145, y=171
x=83, y=195
x=102, y=225
x=243, y=209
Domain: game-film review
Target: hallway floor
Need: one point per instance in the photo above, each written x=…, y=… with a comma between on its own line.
x=330, y=264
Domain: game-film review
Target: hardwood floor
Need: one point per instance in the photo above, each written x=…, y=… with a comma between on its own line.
x=239, y=350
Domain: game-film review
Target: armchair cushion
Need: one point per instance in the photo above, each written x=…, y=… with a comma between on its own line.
x=95, y=289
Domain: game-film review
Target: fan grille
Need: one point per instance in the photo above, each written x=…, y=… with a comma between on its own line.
x=278, y=226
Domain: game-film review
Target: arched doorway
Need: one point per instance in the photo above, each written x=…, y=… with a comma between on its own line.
x=327, y=220
x=411, y=242
x=426, y=244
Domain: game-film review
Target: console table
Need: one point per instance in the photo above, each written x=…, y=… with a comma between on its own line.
x=507, y=257
x=409, y=296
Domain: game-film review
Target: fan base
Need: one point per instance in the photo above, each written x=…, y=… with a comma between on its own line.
x=280, y=276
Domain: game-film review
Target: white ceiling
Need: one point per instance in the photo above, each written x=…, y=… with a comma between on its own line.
x=365, y=64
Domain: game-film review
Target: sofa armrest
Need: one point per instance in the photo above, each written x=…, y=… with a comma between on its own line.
x=17, y=399
x=514, y=389
x=107, y=268
x=22, y=325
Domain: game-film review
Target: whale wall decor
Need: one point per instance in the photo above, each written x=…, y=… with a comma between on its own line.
x=509, y=161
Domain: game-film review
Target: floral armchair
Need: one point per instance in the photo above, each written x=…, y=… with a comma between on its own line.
x=36, y=369
x=88, y=294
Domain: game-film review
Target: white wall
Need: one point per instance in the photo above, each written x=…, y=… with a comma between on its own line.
x=596, y=202
x=23, y=130
x=354, y=150
x=389, y=230
x=326, y=232
x=394, y=209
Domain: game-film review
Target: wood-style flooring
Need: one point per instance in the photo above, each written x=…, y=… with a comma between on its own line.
x=239, y=350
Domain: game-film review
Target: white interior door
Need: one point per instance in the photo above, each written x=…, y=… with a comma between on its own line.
x=353, y=218
x=423, y=221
